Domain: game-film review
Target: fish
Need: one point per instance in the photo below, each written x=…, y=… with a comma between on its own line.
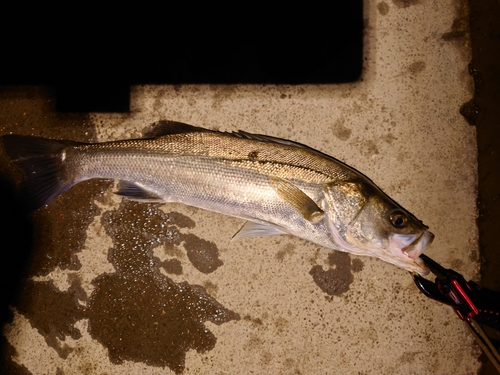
x=278, y=186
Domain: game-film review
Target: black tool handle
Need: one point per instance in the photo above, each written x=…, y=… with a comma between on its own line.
x=488, y=305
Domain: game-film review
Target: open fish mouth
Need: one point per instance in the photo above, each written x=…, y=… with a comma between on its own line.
x=419, y=245
x=410, y=246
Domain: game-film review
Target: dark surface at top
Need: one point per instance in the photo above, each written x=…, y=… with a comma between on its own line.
x=92, y=56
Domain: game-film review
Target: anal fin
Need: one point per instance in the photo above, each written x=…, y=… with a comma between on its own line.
x=134, y=192
x=258, y=229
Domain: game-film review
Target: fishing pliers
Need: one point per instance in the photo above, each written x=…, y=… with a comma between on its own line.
x=474, y=305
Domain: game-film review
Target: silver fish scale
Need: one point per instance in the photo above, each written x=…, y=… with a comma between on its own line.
x=208, y=178
x=283, y=186
x=227, y=147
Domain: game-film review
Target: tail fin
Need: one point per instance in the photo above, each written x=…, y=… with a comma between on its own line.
x=42, y=163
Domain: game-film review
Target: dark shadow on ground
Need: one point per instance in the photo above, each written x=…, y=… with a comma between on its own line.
x=16, y=234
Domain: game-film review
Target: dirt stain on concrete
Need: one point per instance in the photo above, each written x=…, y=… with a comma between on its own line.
x=383, y=8
x=416, y=67
x=341, y=131
x=405, y=3
x=52, y=313
x=203, y=254
x=336, y=280
x=61, y=227
x=139, y=314
x=172, y=266
x=287, y=250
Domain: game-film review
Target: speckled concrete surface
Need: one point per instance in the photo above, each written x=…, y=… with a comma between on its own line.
x=261, y=309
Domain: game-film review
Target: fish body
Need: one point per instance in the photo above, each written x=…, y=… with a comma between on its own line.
x=279, y=186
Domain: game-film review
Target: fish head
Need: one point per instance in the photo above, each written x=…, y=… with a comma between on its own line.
x=365, y=221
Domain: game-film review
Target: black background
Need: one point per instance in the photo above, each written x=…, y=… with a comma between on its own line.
x=92, y=56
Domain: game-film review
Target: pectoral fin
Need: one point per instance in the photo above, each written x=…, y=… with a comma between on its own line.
x=135, y=192
x=258, y=229
x=297, y=199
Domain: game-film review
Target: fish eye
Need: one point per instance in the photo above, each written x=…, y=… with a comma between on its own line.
x=398, y=219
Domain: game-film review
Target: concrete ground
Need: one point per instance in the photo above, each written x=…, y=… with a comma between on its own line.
x=117, y=287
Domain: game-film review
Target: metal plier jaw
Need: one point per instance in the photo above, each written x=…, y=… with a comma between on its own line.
x=472, y=303
x=449, y=288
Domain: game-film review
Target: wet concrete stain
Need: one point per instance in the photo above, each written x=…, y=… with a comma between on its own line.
x=388, y=138
x=256, y=321
x=357, y=265
x=457, y=264
x=52, y=313
x=341, y=131
x=405, y=3
x=76, y=288
x=222, y=93
x=460, y=32
x=416, y=67
x=139, y=314
x=459, y=28
x=61, y=227
x=383, y=8
x=336, y=281
x=172, y=266
x=203, y=254
x=171, y=249
x=180, y=220
x=288, y=249
x=470, y=111
x=367, y=147
x=211, y=288
x=281, y=324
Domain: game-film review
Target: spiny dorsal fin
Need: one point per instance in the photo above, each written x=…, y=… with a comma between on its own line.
x=265, y=138
x=165, y=127
x=297, y=199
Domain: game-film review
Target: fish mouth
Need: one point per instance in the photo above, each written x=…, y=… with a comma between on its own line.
x=419, y=245
x=411, y=246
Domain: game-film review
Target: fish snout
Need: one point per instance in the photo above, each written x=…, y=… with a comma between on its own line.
x=419, y=245
x=411, y=245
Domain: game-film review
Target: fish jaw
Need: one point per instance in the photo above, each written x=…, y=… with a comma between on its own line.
x=409, y=247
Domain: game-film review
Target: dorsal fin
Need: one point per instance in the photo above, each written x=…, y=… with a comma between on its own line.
x=265, y=138
x=166, y=127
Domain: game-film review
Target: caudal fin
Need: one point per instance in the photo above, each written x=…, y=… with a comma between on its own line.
x=42, y=163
